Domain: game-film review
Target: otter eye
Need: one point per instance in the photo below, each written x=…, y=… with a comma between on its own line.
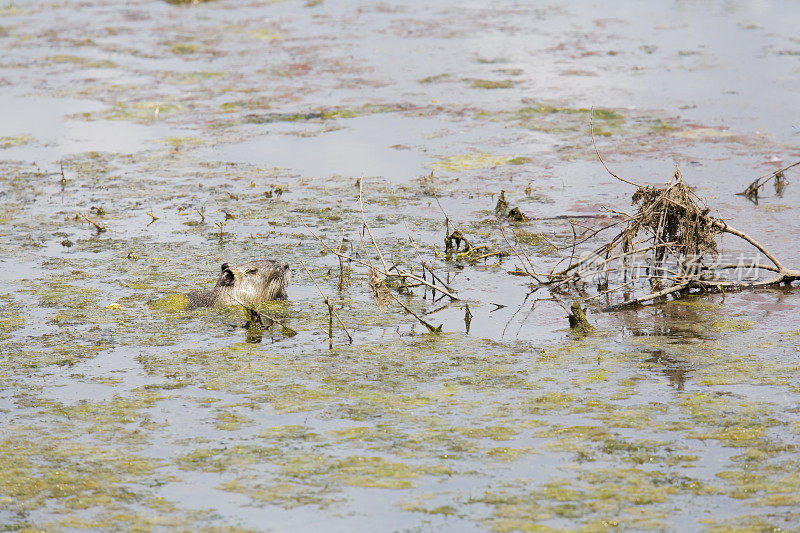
x=252, y=271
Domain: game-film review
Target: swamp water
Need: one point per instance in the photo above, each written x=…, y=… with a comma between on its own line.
x=205, y=133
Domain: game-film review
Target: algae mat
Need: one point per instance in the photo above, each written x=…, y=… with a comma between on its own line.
x=143, y=144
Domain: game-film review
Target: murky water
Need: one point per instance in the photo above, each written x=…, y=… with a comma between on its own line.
x=205, y=133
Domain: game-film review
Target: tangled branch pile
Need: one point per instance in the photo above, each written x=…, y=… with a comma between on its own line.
x=668, y=247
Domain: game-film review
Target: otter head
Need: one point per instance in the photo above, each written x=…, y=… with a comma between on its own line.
x=252, y=283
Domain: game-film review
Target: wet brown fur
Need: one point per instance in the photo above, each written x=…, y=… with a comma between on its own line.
x=246, y=284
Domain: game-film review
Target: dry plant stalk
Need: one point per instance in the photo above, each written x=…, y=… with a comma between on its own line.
x=670, y=246
x=345, y=270
x=385, y=272
x=100, y=228
x=779, y=181
x=331, y=311
x=378, y=276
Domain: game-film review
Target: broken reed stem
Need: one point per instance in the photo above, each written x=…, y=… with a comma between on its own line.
x=331, y=310
x=330, y=324
x=385, y=273
x=98, y=227
x=456, y=229
x=487, y=255
x=652, y=296
x=431, y=327
x=446, y=218
x=425, y=265
x=343, y=283
x=364, y=221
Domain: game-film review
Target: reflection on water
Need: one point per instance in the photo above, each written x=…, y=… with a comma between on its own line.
x=676, y=370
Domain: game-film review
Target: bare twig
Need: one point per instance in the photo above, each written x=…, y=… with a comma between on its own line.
x=596, y=151
x=674, y=234
x=364, y=221
x=532, y=271
x=751, y=192
x=257, y=315
x=424, y=264
x=664, y=292
x=331, y=310
x=386, y=273
x=98, y=227
x=431, y=327
x=723, y=226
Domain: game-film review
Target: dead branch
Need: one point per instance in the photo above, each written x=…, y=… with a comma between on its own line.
x=668, y=245
x=453, y=241
x=256, y=318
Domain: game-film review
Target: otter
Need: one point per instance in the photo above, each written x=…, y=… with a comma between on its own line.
x=247, y=284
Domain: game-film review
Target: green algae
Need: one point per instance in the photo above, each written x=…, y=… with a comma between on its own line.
x=418, y=505
x=322, y=115
x=183, y=142
x=494, y=432
x=229, y=107
x=77, y=476
x=184, y=48
x=189, y=78
x=611, y=497
x=13, y=317
x=266, y=34
x=17, y=140
x=462, y=162
x=732, y=325
x=435, y=78
x=555, y=119
x=492, y=84
x=548, y=402
x=143, y=112
x=82, y=61
x=504, y=453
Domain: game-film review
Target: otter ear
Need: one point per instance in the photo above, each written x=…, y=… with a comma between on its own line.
x=227, y=277
x=224, y=267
